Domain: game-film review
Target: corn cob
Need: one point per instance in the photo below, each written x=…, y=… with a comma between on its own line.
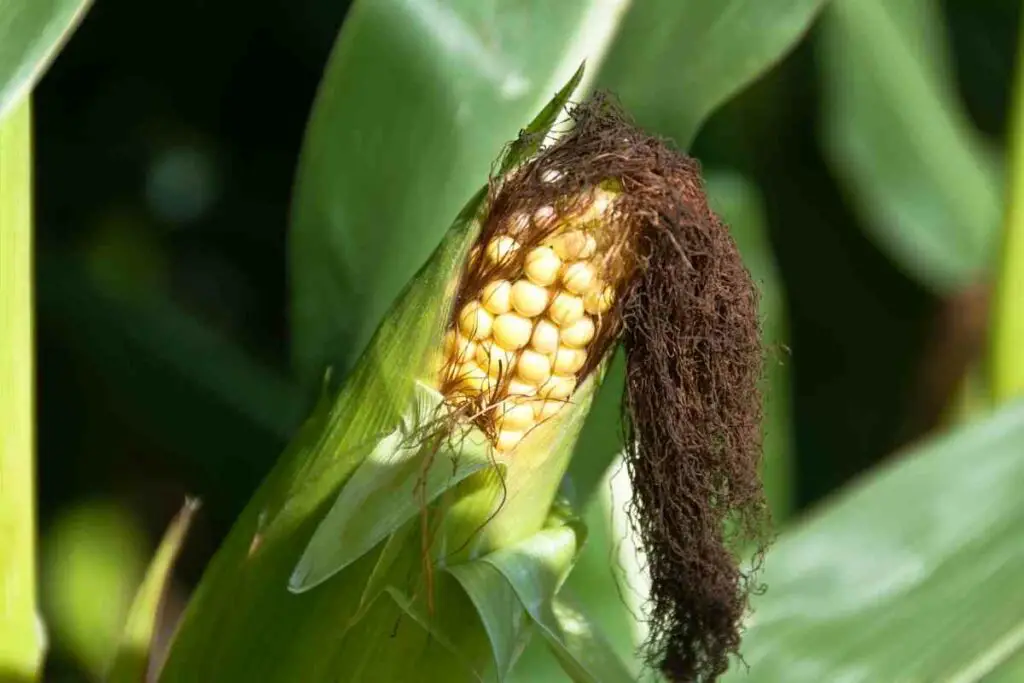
x=532, y=315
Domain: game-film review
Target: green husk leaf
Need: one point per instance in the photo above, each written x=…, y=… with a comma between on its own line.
x=532, y=137
x=912, y=574
x=31, y=34
x=382, y=493
x=499, y=609
x=536, y=569
x=897, y=135
x=131, y=662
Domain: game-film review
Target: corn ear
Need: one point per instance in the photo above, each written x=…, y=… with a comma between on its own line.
x=367, y=619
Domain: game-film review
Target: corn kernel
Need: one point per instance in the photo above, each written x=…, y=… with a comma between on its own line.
x=542, y=265
x=501, y=248
x=570, y=245
x=474, y=321
x=566, y=309
x=578, y=277
x=578, y=334
x=495, y=360
x=471, y=377
x=512, y=331
x=497, y=297
x=518, y=224
x=558, y=387
x=544, y=213
x=590, y=248
x=534, y=367
x=508, y=439
x=528, y=298
x=545, y=337
x=517, y=388
x=514, y=416
x=458, y=348
x=569, y=361
x=598, y=300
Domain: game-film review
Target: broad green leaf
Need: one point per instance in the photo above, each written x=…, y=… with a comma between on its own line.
x=415, y=105
x=131, y=663
x=898, y=138
x=499, y=609
x=31, y=34
x=383, y=492
x=21, y=646
x=913, y=574
x=675, y=61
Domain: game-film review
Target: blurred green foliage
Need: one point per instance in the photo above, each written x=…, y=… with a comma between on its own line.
x=858, y=173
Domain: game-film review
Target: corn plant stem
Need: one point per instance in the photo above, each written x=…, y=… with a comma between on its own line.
x=20, y=644
x=1007, y=361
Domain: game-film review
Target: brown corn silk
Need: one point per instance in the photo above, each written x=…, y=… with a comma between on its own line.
x=679, y=298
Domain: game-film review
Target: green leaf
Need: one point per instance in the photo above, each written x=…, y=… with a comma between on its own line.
x=912, y=574
x=415, y=105
x=536, y=569
x=1006, y=366
x=384, y=492
x=499, y=609
x=31, y=34
x=131, y=663
x=897, y=136
x=675, y=61
x=21, y=646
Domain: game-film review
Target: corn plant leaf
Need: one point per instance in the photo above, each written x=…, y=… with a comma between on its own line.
x=415, y=104
x=536, y=568
x=500, y=610
x=384, y=492
x=675, y=61
x=21, y=643
x=913, y=574
x=132, y=660
x=31, y=34
x=898, y=138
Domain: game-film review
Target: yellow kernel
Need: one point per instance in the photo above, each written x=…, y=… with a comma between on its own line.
x=590, y=248
x=544, y=410
x=497, y=297
x=545, y=337
x=508, y=439
x=501, y=248
x=474, y=321
x=569, y=361
x=542, y=265
x=514, y=416
x=566, y=309
x=570, y=245
x=512, y=331
x=598, y=300
x=534, y=367
x=458, y=348
x=471, y=377
x=577, y=334
x=517, y=388
x=528, y=298
x=495, y=360
x=544, y=213
x=558, y=387
x=578, y=277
